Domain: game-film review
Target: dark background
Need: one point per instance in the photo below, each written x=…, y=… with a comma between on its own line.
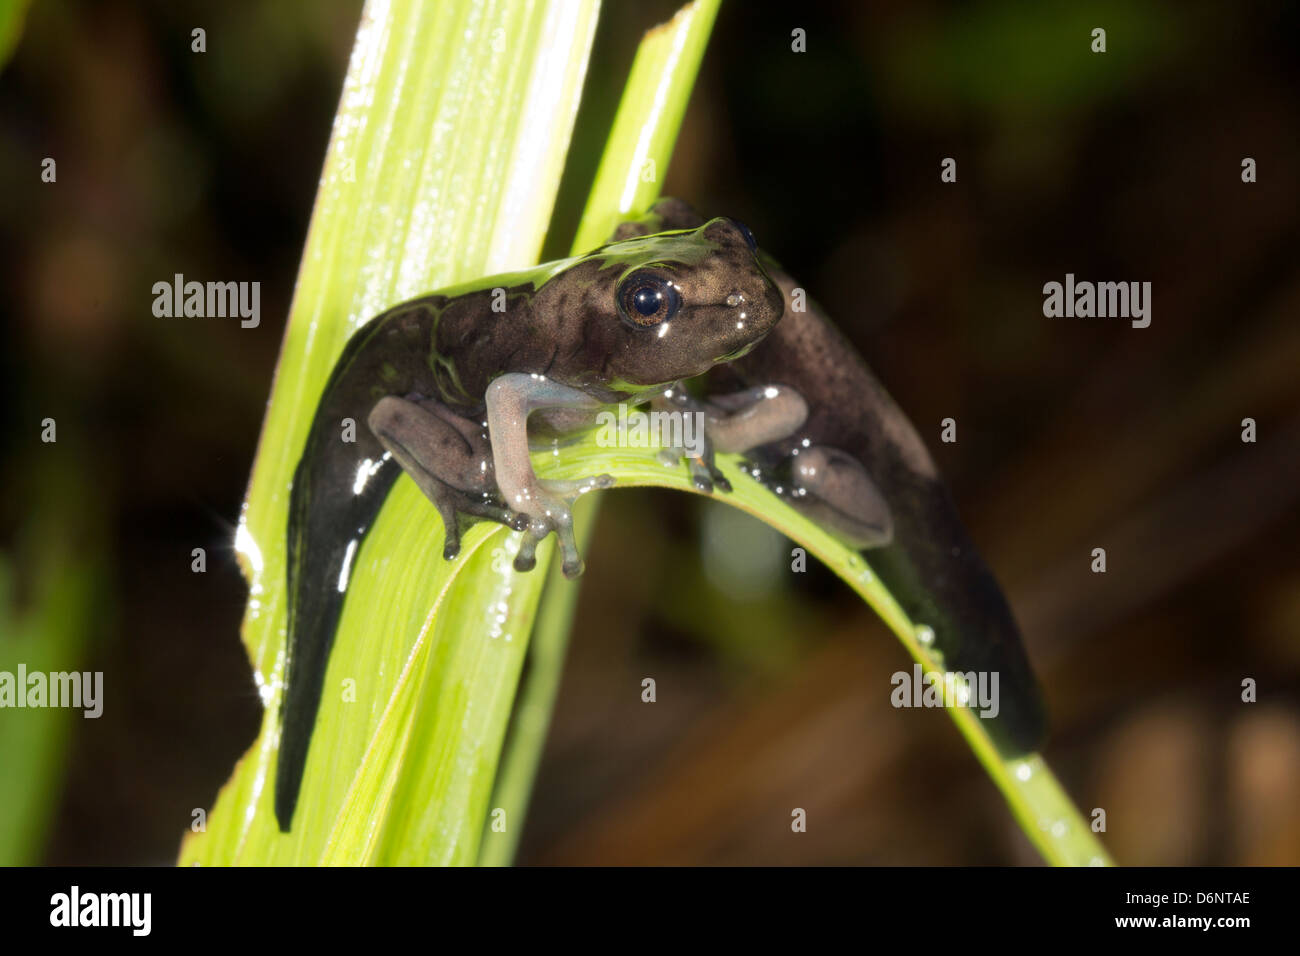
x=774, y=688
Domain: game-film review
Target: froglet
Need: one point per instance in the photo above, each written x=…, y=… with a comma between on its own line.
x=450, y=386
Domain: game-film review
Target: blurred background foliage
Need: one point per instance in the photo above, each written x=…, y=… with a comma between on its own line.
x=773, y=689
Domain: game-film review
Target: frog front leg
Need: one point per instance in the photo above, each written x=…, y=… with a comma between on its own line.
x=732, y=423
x=824, y=483
x=548, y=504
x=449, y=458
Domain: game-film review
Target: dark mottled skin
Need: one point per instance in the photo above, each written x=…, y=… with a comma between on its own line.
x=561, y=321
x=931, y=566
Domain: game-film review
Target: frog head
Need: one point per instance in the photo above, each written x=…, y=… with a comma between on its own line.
x=671, y=306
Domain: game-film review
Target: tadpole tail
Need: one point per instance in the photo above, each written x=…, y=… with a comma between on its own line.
x=339, y=486
x=934, y=572
x=327, y=525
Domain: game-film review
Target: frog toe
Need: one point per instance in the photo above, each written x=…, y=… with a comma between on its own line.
x=451, y=549
x=554, y=515
x=701, y=477
x=572, y=565
x=707, y=476
x=526, y=559
x=573, y=568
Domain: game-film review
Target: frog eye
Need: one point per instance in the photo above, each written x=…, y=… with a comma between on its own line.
x=645, y=299
x=749, y=236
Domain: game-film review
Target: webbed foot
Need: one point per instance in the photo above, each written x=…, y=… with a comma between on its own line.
x=554, y=502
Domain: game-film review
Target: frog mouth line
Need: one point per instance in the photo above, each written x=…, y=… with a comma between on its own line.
x=738, y=353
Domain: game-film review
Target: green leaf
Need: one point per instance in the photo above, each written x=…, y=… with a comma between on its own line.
x=60, y=549
x=12, y=15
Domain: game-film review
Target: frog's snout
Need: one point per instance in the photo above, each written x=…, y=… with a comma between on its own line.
x=761, y=307
x=756, y=310
x=775, y=300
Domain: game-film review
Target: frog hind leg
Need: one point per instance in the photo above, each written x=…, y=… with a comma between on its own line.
x=831, y=487
x=448, y=457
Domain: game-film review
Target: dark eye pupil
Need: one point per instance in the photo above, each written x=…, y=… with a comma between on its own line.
x=749, y=236
x=646, y=300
